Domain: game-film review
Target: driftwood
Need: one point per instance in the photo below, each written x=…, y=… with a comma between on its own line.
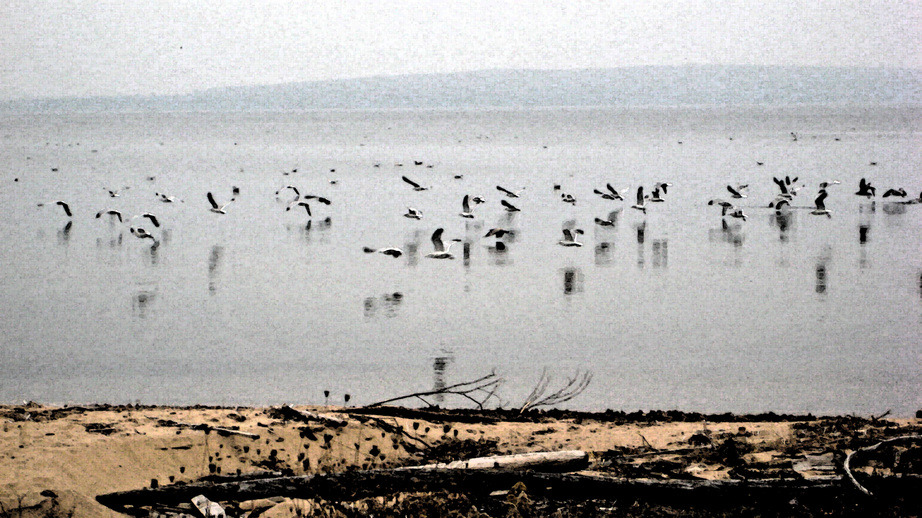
x=208, y=508
x=862, y=451
x=353, y=485
x=207, y=428
x=433, y=416
x=310, y=417
x=544, y=461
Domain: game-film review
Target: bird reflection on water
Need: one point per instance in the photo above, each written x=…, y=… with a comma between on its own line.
x=64, y=233
x=439, y=366
x=572, y=280
x=214, y=262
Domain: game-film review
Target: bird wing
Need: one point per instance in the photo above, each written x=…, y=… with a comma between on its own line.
x=507, y=191
x=567, y=235
x=437, y=240
x=152, y=218
x=640, y=195
x=411, y=182
x=508, y=205
x=733, y=191
x=611, y=190
x=307, y=207
x=466, y=203
x=65, y=207
x=213, y=203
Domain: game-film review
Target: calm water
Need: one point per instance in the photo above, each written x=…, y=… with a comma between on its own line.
x=672, y=309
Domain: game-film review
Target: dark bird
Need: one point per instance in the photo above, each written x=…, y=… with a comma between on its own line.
x=640, y=204
x=901, y=193
x=866, y=189
x=393, y=252
x=111, y=212
x=820, y=203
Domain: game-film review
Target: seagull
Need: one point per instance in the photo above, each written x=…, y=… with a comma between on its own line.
x=111, y=212
x=440, y=251
x=478, y=200
x=293, y=188
x=63, y=205
x=568, y=238
x=510, y=193
x=112, y=193
x=416, y=186
x=895, y=192
x=821, y=209
x=780, y=203
x=568, y=198
x=141, y=233
x=604, y=195
x=655, y=195
x=615, y=194
x=640, y=201
x=727, y=209
x=148, y=215
x=736, y=213
x=509, y=207
x=214, y=205
x=413, y=213
x=466, y=207
x=866, y=189
x=301, y=203
x=498, y=232
x=735, y=192
x=391, y=251
x=663, y=186
x=611, y=221
x=824, y=185
x=164, y=198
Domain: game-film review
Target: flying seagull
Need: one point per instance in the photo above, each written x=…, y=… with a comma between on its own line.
x=509, y=193
x=640, y=201
x=391, y=251
x=441, y=252
x=569, y=239
x=215, y=207
x=416, y=186
x=820, y=202
x=509, y=207
x=466, y=207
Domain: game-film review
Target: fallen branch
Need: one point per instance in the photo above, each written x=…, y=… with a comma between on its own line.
x=207, y=428
x=309, y=417
x=543, y=461
x=353, y=485
x=485, y=387
x=860, y=451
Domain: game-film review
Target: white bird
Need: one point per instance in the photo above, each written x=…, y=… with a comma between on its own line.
x=640, y=201
x=569, y=239
x=508, y=206
x=416, y=186
x=820, y=203
x=413, y=213
x=509, y=193
x=391, y=251
x=111, y=212
x=655, y=195
x=164, y=198
x=215, y=207
x=466, y=207
x=614, y=192
x=441, y=252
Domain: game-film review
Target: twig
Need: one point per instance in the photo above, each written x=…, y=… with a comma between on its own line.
x=484, y=384
x=572, y=388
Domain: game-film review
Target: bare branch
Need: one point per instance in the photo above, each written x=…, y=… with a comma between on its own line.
x=467, y=389
x=572, y=388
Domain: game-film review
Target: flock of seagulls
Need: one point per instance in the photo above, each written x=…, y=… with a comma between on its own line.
x=788, y=189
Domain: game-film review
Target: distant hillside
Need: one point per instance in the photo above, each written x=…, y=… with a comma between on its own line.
x=631, y=86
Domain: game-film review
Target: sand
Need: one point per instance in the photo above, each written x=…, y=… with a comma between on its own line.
x=64, y=457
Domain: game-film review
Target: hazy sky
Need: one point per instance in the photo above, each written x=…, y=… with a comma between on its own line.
x=58, y=48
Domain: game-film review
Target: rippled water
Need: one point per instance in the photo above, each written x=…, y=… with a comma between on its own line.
x=673, y=309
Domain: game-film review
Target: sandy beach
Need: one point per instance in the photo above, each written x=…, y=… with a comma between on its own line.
x=59, y=459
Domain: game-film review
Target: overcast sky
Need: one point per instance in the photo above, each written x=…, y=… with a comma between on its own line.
x=59, y=48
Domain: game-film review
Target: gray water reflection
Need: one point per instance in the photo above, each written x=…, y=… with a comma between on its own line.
x=572, y=280
x=439, y=367
x=214, y=263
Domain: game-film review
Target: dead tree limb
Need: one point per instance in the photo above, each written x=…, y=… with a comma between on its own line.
x=484, y=388
x=572, y=388
x=207, y=428
x=353, y=485
x=861, y=451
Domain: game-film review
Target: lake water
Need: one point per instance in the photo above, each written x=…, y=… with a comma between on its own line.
x=673, y=309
